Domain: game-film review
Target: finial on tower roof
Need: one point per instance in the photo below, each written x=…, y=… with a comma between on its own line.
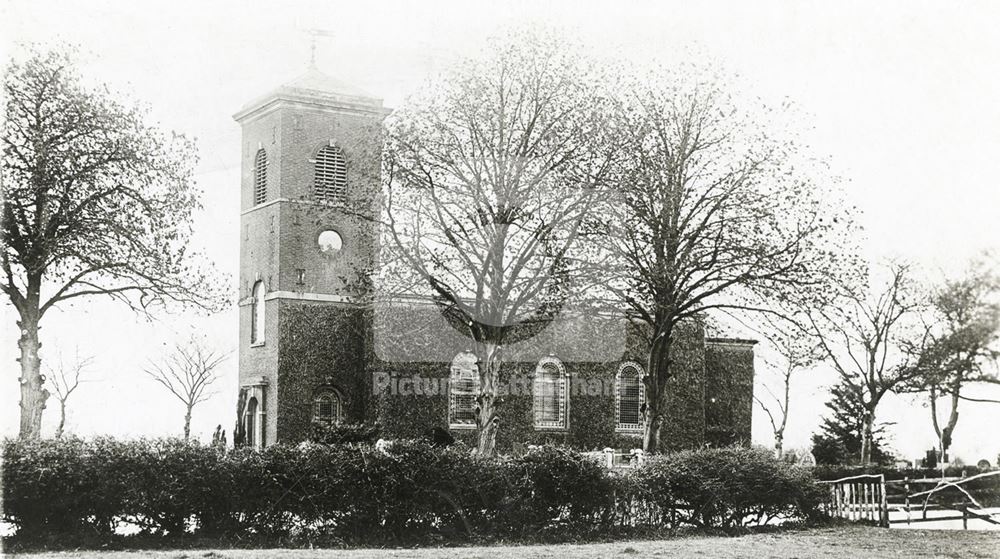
x=313, y=34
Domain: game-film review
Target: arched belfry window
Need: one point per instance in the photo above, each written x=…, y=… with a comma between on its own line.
x=630, y=395
x=463, y=389
x=550, y=394
x=328, y=406
x=257, y=313
x=331, y=176
x=260, y=177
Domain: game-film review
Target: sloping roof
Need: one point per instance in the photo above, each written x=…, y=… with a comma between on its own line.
x=316, y=87
x=316, y=81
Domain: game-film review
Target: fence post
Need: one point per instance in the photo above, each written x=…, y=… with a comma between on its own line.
x=869, y=500
x=840, y=500
x=906, y=498
x=609, y=457
x=884, y=513
x=852, y=500
x=965, y=518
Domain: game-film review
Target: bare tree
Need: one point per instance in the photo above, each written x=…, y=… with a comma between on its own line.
x=714, y=211
x=187, y=372
x=488, y=177
x=794, y=352
x=95, y=203
x=961, y=350
x=863, y=335
x=66, y=378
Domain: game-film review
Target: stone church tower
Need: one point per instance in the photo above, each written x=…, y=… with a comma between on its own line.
x=309, y=168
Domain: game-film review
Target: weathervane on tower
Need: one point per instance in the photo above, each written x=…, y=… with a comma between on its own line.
x=313, y=34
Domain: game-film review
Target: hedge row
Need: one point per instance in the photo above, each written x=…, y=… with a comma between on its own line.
x=80, y=493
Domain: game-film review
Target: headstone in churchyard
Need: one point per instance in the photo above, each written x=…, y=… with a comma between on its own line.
x=807, y=459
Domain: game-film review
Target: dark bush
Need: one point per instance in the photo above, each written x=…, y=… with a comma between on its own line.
x=76, y=493
x=730, y=487
x=344, y=433
x=553, y=483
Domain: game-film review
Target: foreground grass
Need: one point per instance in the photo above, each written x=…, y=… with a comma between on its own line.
x=840, y=542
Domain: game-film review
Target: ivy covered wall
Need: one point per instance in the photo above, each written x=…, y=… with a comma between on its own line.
x=368, y=356
x=729, y=390
x=320, y=345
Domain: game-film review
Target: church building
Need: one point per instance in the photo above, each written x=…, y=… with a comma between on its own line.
x=310, y=351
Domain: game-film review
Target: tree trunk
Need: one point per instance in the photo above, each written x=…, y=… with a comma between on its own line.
x=778, y=450
x=33, y=394
x=651, y=436
x=487, y=420
x=187, y=423
x=949, y=428
x=658, y=367
x=62, y=418
x=866, y=438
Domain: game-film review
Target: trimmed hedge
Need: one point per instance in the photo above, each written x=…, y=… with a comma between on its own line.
x=72, y=492
x=730, y=487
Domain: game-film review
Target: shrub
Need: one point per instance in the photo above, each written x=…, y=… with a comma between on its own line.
x=553, y=483
x=730, y=487
x=343, y=433
x=77, y=492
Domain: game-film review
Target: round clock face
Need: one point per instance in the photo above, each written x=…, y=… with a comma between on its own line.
x=330, y=242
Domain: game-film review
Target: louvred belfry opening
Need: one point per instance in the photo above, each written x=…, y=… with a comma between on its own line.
x=260, y=178
x=331, y=176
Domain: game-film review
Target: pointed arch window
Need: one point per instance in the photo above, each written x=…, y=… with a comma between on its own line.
x=330, y=184
x=257, y=313
x=550, y=391
x=328, y=406
x=260, y=177
x=630, y=395
x=463, y=389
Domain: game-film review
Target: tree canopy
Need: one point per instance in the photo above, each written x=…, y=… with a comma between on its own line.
x=96, y=202
x=714, y=208
x=489, y=174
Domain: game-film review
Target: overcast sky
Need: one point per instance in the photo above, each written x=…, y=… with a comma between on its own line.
x=900, y=97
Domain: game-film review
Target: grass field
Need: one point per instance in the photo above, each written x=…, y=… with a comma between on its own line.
x=841, y=542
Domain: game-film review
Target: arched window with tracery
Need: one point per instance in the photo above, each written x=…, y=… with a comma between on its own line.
x=463, y=389
x=328, y=407
x=257, y=313
x=630, y=395
x=330, y=183
x=260, y=177
x=550, y=391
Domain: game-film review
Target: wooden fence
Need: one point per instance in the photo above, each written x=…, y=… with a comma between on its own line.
x=962, y=504
x=859, y=498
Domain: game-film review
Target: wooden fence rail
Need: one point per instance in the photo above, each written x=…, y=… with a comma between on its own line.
x=921, y=501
